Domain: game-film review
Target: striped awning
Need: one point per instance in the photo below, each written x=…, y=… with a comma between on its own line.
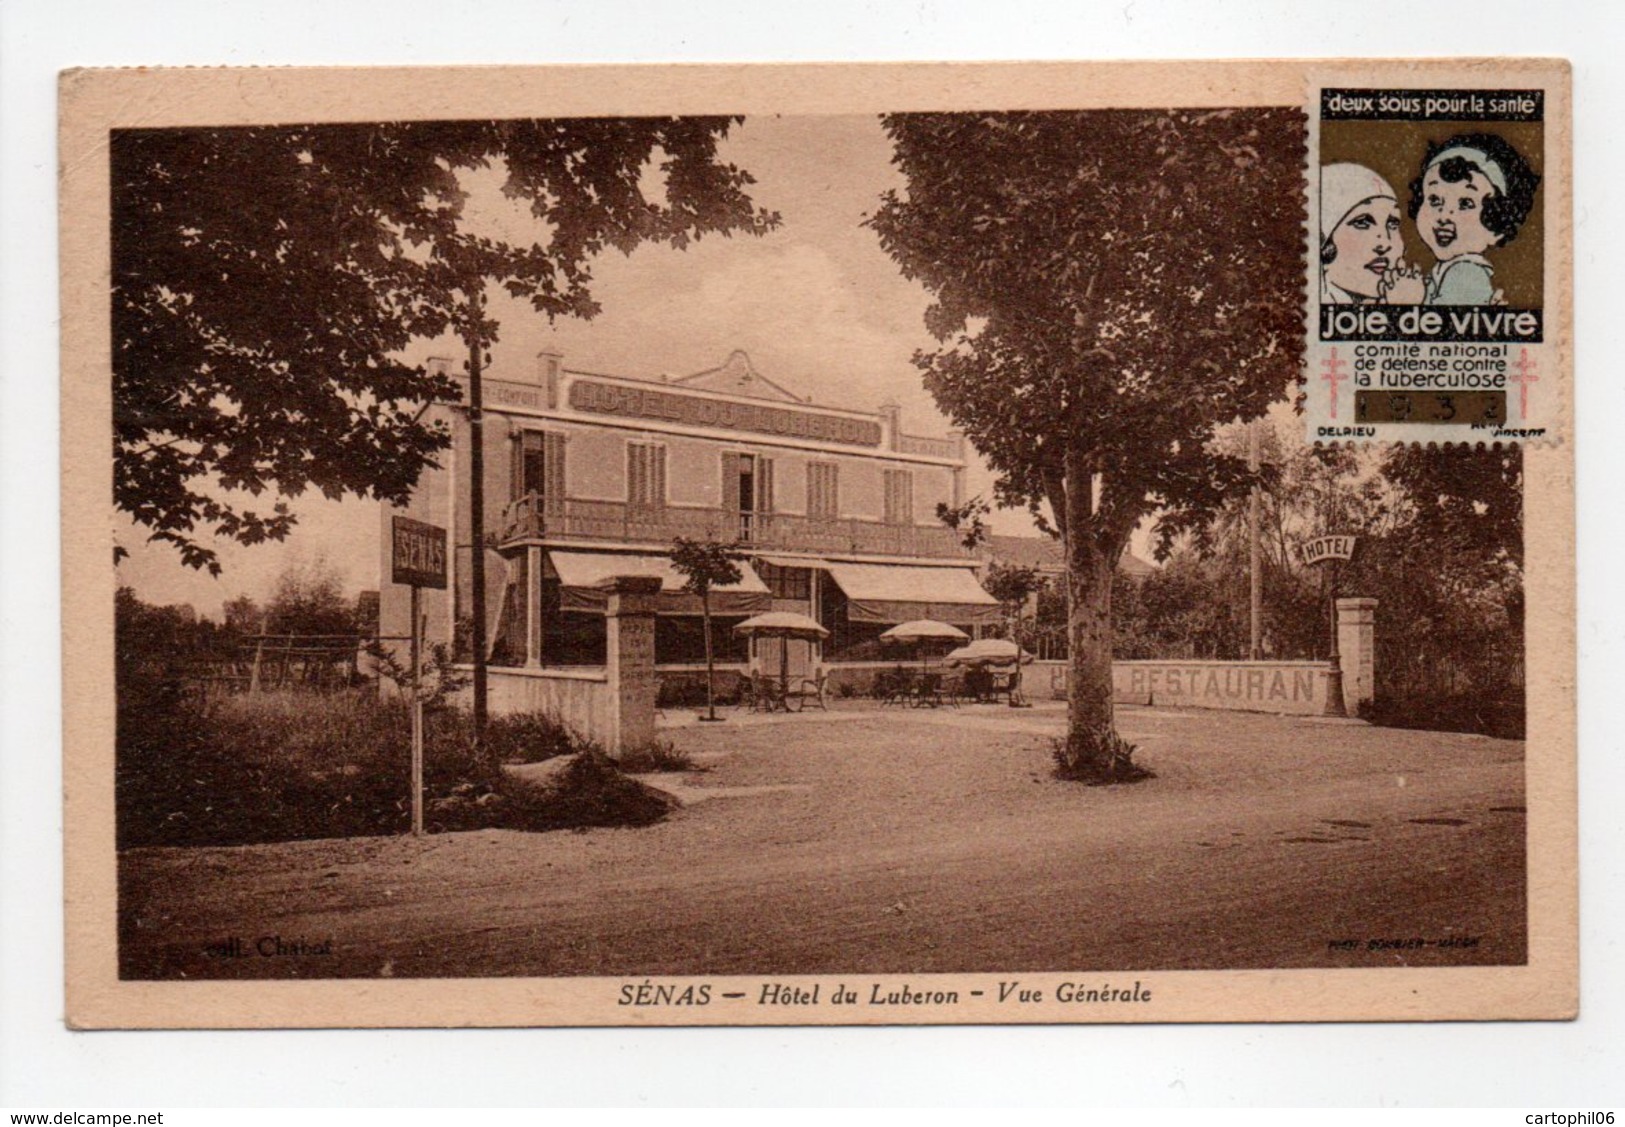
x=902, y=592
x=581, y=576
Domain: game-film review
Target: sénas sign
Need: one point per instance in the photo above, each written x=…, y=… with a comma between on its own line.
x=418, y=554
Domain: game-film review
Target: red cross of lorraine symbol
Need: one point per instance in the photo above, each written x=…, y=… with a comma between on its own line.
x=1526, y=375
x=1333, y=375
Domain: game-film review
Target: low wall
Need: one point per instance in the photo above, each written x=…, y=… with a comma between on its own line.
x=684, y=685
x=613, y=705
x=1295, y=687
x=858, y=677
x=580, y=699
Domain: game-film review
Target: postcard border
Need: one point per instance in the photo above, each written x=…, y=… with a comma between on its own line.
x=93, y=101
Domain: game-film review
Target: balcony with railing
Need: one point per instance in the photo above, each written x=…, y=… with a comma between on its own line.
x=929, y=447
x=531, y=520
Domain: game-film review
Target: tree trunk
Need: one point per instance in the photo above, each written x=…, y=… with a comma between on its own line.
x=1090, y=731
x=1091, y=736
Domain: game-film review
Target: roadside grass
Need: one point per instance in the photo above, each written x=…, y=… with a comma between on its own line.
x=661, y=755
x=271, y=767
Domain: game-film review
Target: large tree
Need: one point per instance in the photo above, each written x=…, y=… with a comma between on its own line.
x=1469, y=499
x=1109, y=287
x=266, y=279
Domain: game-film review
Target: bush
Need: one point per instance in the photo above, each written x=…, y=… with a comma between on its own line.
x=662, y=755
x=266, y=767
x=1097, y=758
x=591, y=791
x=1501, y=717
x=527, y=737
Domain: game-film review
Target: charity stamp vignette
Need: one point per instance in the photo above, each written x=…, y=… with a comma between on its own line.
x=1436, y=266
x=485, y=927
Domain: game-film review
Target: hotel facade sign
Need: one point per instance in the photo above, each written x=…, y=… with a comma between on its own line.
x=692, y=410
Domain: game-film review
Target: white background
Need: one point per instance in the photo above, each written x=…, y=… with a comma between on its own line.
x=1559, y=1066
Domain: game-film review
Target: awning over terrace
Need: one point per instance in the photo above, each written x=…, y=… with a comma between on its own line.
x=900, y=593
x=581, y=574
x=790, y=561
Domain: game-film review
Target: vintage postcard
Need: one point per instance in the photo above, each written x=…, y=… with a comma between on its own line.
x=693, y=545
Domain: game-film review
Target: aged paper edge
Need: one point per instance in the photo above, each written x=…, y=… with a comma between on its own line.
x=92, y=102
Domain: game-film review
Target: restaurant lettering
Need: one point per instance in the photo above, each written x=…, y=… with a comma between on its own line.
x=650, y=403
x=1228, y=685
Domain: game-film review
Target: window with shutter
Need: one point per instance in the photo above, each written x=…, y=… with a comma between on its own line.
x=645, y=474
x=823, y=494
x=538, y=469
x=527, y=465
x=636, y=486
x=730, y=481
x=764, y=485
x=553, y=470
x=899, y=497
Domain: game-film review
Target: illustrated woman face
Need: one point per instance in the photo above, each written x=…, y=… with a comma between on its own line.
x=1451, y=218
x=1365, y=245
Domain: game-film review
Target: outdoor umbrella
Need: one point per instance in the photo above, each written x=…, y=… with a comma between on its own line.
x=785, y=625
x=922, y=630
x=989, y=651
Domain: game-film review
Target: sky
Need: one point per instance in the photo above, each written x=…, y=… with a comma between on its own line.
x=816, y=304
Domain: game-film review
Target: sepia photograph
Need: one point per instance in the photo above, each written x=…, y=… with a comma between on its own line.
x=823, y=564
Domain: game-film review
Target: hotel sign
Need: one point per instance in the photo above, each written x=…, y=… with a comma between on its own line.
x=1324, y=548
x=692, y=410
x=417, y=554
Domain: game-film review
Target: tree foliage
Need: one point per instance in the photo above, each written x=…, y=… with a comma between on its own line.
x=1440, y=547
x=309, y=599
x=967, y=520
x=1109, y=287
x=1468, y=499
x=705, y=564
x=1011, y=584
x=243, y=615
x=266, y=279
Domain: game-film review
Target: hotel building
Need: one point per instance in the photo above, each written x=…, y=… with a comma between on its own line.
x=589, y=476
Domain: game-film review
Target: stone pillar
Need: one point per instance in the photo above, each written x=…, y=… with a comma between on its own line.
x=1357, y=647
x=629, y=660
x=549, y=367
x=956, y=439
x=891, y=420
x=533, y=607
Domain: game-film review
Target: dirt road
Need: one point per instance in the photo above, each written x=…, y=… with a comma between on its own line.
x=904, y=842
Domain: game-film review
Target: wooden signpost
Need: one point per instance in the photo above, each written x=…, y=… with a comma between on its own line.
x=417, y=556
x=1328, y=550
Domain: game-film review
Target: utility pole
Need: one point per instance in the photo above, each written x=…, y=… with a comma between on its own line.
x=1255, y=648
x=1335, y=705
x=476, y=506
